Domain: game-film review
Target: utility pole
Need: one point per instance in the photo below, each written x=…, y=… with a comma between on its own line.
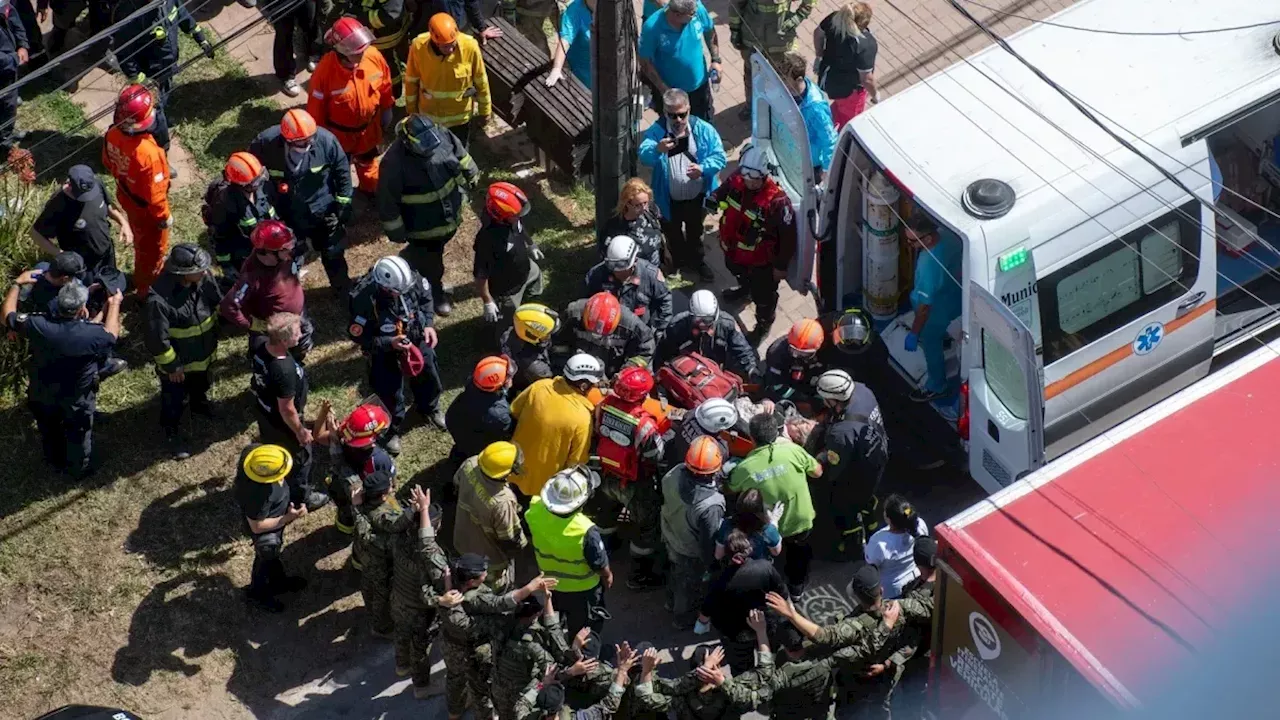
x=613, y=67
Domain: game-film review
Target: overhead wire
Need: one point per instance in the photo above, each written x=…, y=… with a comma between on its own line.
x=1128, y=33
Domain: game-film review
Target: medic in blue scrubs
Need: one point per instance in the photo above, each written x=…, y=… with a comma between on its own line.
x=935, y=297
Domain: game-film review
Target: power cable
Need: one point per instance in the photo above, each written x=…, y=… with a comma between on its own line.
x=1128, y=33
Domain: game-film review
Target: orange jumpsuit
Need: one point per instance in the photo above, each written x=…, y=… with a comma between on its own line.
x=350, y=103
x=141, y=170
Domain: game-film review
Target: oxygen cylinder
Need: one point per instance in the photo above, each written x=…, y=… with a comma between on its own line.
x=880, y=248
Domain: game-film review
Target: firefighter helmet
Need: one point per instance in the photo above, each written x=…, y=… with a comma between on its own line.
x=805, y=337
x=363, y=426
x=242, y=168
x=267, y=464
x=492, y=373
x=704, y=307
x=835, y=385
x=392, y=273
x=569, y=490
x=443, y=28
x=715, y=415
x=297, y=125
x=187, y=259
x=633, y=384
x=506, y=201
x=704, y=457
x=349, y=37
x=602, y=314
x=535, y=323
x=135, y=109
x=420, y=134
x=584, y=367
x=500, y=459
x=852, y=333
x=621, y=253
x=271, y=235
x=753, y=162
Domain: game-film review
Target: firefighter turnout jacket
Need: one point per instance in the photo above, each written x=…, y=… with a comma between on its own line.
x=155, y=55
x=631, y=340
x=724, y=343
x=378, y=317
x=757, y=228
x=350, y=102
x=182, y=323
x=307, y=187
x=644, y=292
x=420, y=195
x=449, y=89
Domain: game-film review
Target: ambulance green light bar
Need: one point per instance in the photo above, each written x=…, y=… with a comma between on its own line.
x=1011, y=260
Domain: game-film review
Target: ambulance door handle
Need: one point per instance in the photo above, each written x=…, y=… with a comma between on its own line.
x=1186, y=306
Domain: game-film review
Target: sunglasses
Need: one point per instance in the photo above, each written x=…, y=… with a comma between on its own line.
x=678, y=116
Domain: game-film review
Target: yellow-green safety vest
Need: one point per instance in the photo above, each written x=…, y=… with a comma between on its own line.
x=559, y=543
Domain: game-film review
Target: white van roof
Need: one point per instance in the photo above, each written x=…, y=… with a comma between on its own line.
x=956, y=126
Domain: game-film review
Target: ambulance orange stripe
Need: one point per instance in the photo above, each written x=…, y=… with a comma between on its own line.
x=1088, y=371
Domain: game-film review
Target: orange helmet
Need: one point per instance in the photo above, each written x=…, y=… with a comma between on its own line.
x=242, y=169
x=297, y=125
x=633, y=384
x=363, y=426
x=506, y=201
x=443, y=29
x=806, y=337
x=492, y=372
x=135, y=109
x=602, y=314
x=271, y=235
x=349, y=37
x=704, y=456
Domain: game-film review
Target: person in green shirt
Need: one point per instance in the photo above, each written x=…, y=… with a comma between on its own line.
x=780, y=470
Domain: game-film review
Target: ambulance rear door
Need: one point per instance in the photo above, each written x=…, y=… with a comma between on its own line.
x=777, y=126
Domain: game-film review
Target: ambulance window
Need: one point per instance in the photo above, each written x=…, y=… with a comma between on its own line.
x=1004, y=376
x=1120, y=282
x=787, y=152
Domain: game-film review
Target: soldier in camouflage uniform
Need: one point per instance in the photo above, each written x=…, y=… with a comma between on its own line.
x=908, y=701
x=472, y=618
x=535, y=643
x=378, y=521
x=802, y=688
x=545, y=700
x=729, y=697
x=419, y=574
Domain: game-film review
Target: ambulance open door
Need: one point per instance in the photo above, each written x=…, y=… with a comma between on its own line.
x=1006, y=394
x=777, y=126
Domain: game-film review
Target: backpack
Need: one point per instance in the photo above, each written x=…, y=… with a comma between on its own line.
x=690, y=379
x=212, y=208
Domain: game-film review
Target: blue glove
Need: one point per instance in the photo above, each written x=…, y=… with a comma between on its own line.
x=911, y=342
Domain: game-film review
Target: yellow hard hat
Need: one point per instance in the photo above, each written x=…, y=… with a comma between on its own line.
x=267, y=464
x=535, y=323
x=500, y=459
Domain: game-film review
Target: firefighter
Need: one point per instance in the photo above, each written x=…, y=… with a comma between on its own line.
x=353, y=456
x=506, y=260
x=481, y=414
x=714, y=417
x=854, y=456
x=445, y=79
x=351, y=97
x=392, y=320
x=237, y=205
x=767, y=27
x=528, y=343
x=140, y=166
x=706, y=330
x=629, y=444
x=757, y=234
x=154, y=57
x=791, y=365
x=391, y=22
x=600, y=326
x=638, y=284
x=569, y=548
x=420, y=196
x=182, y=336
x=310, y=187
x=268, y=284
x=14, y=53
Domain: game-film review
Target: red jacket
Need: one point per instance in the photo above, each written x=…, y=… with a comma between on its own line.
x=261, y=292
x=758, y=227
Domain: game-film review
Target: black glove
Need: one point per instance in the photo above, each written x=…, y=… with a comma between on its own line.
x=332, y=222
x=205, y=46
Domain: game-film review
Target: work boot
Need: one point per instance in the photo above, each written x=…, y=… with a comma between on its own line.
x=176, y=444
x=761, y=330
x=403, y=670
x=173, y=172
x=436, y=417
x=643, y=581
x=316, y=500
x=391, y=444
x=735, y=294
x=263, y=601
x=113, y=366
x=444, y=306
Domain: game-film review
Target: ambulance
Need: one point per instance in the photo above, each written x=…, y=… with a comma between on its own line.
x=1093, y=286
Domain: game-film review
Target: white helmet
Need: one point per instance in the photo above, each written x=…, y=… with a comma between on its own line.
x=835, y=385
x=584, y=367
x=716, y=415
x=704, y=306
x=569, y=489
x=753, y=159
x=621, y=253
x=393, y=273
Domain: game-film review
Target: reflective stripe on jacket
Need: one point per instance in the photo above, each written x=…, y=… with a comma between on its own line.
x=449, y=89
x=559, y=544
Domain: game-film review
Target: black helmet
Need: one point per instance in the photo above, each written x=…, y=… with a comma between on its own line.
x=852, y=333
x=186, y=259
x=420, y=134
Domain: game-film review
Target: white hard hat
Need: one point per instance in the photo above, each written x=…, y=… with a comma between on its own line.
x=584, y=367
x=703, y=304
x=569, y=490
x=835, y=385
x=716, y=415
x=393, y=273
x=754, y=159
x=621, y=253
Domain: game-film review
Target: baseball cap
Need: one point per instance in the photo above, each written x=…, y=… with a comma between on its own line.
x=471, y=565
x=925, y=551
x=377, y=483
x=67, y=264
x=82, y=181
x=866, y=582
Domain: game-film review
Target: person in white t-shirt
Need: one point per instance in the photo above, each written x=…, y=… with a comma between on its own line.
x=891, y=548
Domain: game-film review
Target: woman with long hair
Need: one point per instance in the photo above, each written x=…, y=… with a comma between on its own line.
x=845, y=52
x=892, y=547
x=637, y=218
x=751, y=519
x=734, y=593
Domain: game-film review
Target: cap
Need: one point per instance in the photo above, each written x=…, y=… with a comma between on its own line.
x=531, y=606
x=591, y=646
x=699, y=656
x=377, y=483
x=550, y=699
x=473, y=565
x=925, y=551
x=866, y=582
x=789, y=637
x=67, y=264
x=82, y=182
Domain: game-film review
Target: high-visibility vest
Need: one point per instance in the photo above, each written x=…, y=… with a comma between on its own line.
x=558, y=544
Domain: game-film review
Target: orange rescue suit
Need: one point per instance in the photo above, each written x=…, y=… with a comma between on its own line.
x=349, y=103
x=141, y=169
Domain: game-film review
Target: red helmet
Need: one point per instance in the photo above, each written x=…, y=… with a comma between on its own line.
x=602, y=314
x=135, y=109
x=363, y=426
x=506, y=201
x=271, y=235
x=633, y=384
x=297, y=125
x=349, y=37
x=806, y=337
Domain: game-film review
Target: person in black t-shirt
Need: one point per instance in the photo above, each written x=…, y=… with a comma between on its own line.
x=505, y=265
x=279, y=385
x=78, y=218
x=263, y=498
x=845, y=52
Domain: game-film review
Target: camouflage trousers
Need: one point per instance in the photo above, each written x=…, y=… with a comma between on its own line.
x=468, y=670
x=375, y=587
x=415, y=630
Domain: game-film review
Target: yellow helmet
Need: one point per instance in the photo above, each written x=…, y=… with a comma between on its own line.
x=267, y=464
x=535, y=323
x=500, y=459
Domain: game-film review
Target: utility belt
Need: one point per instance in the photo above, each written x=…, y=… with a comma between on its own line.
x=350, y=128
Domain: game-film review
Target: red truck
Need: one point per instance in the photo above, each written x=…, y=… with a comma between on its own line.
x=1087, y=583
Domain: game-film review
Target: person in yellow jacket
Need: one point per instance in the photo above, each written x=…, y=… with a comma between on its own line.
x=569, y=548
x=553, y=422
x=445, y=78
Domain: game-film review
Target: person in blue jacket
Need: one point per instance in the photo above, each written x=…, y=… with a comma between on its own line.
x=816, y=111
x=686, y=155
x=935, y=297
